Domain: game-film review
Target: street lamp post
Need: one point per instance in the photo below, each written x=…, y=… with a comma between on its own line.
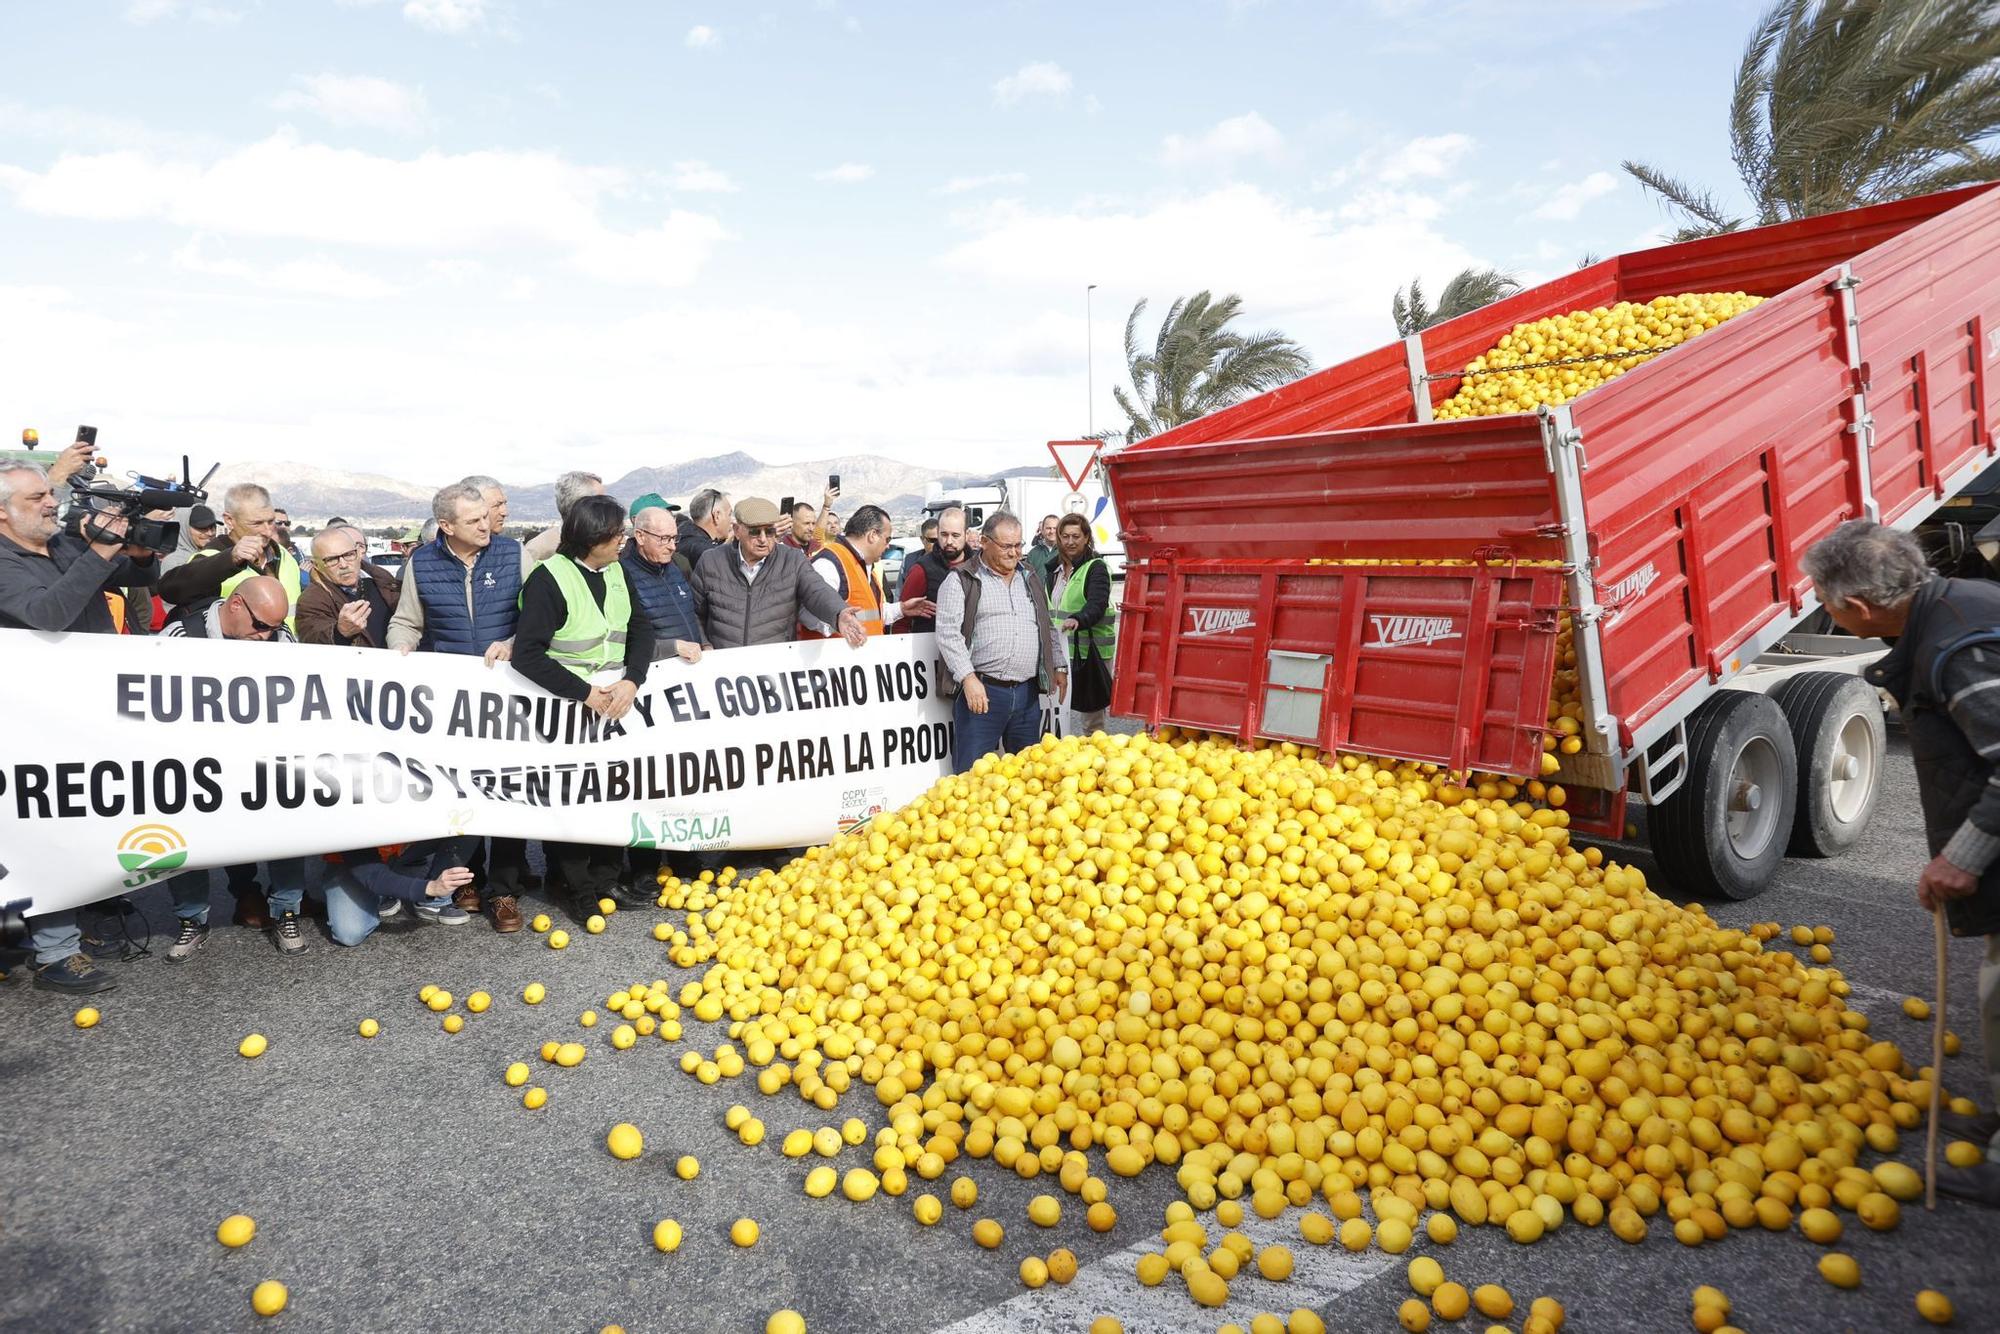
x=1089, y=363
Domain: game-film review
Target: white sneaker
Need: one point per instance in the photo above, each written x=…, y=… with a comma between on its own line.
x=388, y=908
x=449, y=915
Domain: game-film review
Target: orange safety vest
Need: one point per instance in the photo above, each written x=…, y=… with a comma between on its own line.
x=116, y=601
x=856, y=587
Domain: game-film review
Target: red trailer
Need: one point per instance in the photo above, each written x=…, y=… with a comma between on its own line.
x=1664, y=512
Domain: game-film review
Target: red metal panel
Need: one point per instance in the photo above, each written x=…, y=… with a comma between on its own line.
x=1440, y=491
x=1403, y=643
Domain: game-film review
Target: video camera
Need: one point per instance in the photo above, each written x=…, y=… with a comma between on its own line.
x=94, y=499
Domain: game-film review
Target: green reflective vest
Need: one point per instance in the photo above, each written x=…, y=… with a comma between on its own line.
x=1070, y=601
x=288, y=575
x=593, y=637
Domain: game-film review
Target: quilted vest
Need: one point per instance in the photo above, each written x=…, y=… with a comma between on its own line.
x=442, y=581
x=663, y=591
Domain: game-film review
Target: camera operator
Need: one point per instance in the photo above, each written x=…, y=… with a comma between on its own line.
x=52, y=581
x=247, y=547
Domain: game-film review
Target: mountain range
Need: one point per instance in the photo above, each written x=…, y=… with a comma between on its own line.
x=312, y=495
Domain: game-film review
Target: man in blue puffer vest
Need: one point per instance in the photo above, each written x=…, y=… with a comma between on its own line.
x=461, y=594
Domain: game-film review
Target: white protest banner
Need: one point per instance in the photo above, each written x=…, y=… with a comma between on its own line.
x=129, y=760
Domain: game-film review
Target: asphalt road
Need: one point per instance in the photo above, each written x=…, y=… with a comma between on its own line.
x=398, y=1184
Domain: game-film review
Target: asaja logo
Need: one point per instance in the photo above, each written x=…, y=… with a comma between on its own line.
x=1217, y=621
x=149, y=851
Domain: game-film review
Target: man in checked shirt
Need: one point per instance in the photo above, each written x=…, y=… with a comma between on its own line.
x=1000, y=652
x=1945, y=674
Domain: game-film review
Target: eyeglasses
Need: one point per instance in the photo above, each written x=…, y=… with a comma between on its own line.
x=657, y=537
x=761, y=530
x=352, y=553
x=1003, y=546
x=256, y=624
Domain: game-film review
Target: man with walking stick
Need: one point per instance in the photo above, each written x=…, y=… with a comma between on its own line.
x=1944, y=672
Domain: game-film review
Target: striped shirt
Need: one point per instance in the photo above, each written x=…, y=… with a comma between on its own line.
x=1003, y=641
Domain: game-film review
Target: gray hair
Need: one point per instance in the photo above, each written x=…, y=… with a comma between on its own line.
x=7, y=471
x=997, y=520
x=429, y=532
x=704, y=502
x=574, y=486
x=1865, y=560
x=444, y=505
x=484, y=483
x=242, y=494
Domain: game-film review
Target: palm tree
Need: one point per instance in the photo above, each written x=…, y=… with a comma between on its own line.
x=1197, y=364
x=1840, y=103
x=1469, y=289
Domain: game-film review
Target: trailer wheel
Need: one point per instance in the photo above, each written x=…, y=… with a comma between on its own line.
x=1838, y=735
x=1724, y=830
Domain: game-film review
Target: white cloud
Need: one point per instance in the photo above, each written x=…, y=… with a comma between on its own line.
x=1327, y=278
x=452, y=16
x=151, y=11
x=1425, y=158
x=1041, y=79
x=284, y=188
x=959, y=185
x=1248, y=135
x=847, y=173
x=358, y=99
x=1568, y=200
x=700, y=37
x=313, y=275
x=697, y=177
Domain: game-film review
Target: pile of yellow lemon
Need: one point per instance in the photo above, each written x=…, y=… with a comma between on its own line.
x=1290, y=976
x=1635, y=329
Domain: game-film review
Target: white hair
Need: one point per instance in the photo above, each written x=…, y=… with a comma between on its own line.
x=7, y=482
x=242, y=495
x=483, y=482
x=574, y=486
x=444, y=505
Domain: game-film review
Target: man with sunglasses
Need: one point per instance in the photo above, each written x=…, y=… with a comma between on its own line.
x=750, y=591
x=351, y=598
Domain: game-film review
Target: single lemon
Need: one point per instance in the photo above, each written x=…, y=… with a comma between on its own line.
x=1839, y=1269
x=534, y=1097
x=688, y=1167
x=588, y=1019
x=785, y=1322
x=1275, y=1263
x=541, y=922
x=236, y=1230
x=964, y=1192
x=1062, y=1265
x=927, y=1209
x=625, y=1141
x=269, y=1297
x=517, y=1074
x=569, y=1055
x=607, y=906
x=744, y=1232
x=1964, y=1153
x=667, y=1235
x=252, y=1046
x=1934, y=1306
x=369, y=1028
x=558, y=939
x=821, y=1181
x=440, y=1000
x=1413, y=1315
x=1425, y=1275
x=534, y=993
x=988, y=1233
x=859, y=1184
x=453, y=1023
x=87, y=1017
x=1034, y=1271
x=1044, y=1211
x=797, y=1144
x=594, y=924
x=1451, y=1301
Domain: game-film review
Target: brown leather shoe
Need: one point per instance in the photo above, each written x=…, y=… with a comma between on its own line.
x=467, y=898
x=506, y=914
x=252, y=911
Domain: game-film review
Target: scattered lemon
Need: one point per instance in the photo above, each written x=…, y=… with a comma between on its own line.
x=534, y=993
x=1107, y=1324
x=1934, y=1306
x=1820, y=1225
x=588, y=1019
x=667, y=1235
x=927, y=1209
x=1964, y=1153
x=1062, y=1265
x=369, y=1028
x=1917, y=1007
x=88, y=1016
x=688, y=1167
x=1451, y=1301
x=624, y=1036
x=252, y=1046
x=517, y=1074
x=1034, y=1271
x=859, y=1184
x=1044, y=1211
x=1413, y=1315
x=625, y=1141
x=1275, y=1263
x=827, y=1142
x=534, y=1097
x=558, y=939
x=569, y=1055
x=269, y=1297
x=820, y=1182
x=607, y=906
x=236, y=1230
x=1304, y=1321
x=1879, y=1211
x=1442, y=1228
x=478, y=1002
x=453, y=1023
x=541, y=922
x=1425, y=1275
x=751, y=1132
x=594, y=924
x=785, y=1322
x=988, y=1233
x=797, y=1144
x=744, y=1232
x=430, y=990
x=964, y=1192
x=1899, y=1181
x=1839, y=1269
x=440, y=1001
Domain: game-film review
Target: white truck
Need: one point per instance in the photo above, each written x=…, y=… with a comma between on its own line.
x=1030, y=498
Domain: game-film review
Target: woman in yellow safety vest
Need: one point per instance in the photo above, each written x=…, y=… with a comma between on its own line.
x=583, y=636
x=1080, y=600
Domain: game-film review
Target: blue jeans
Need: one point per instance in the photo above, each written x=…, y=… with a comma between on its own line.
x=1012, y=722
x=55, y=936
x=287, y=892
x=353, y=910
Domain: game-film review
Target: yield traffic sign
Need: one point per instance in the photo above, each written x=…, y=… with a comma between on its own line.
x=1074, y=458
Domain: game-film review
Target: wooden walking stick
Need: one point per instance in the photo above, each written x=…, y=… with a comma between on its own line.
x=1937, y=1061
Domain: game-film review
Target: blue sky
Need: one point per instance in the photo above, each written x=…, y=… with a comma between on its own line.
x=421, y=236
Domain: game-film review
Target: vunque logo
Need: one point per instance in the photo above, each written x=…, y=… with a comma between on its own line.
x=150, y=851
x=1399, y=631
x=1217, y=620
x=1633, y=584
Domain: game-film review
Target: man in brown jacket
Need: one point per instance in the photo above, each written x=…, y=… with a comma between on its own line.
x=351, y=599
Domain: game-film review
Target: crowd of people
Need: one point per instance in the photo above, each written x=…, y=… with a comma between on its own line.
x=583, y=610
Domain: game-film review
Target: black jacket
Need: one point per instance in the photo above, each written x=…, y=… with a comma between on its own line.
x=64, y=590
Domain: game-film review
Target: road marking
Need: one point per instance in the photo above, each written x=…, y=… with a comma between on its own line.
x=1110, y=1287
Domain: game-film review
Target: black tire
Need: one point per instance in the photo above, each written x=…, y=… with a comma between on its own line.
x=1699, y=850
x=1836, y=723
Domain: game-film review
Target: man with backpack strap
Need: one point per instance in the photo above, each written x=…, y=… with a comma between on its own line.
x=1000, y=652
